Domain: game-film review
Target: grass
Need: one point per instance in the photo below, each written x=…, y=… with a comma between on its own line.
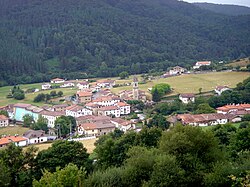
x=237, y=125
x=190, y=83
x=242, y=62
x=12, y=130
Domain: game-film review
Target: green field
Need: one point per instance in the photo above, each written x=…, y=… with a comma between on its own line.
x=190, y=83
x=30, y=96
x=13, y=130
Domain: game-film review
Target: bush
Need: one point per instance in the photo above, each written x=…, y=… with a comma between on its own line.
x=18, y=96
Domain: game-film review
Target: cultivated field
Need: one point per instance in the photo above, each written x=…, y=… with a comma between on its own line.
x=88, y=144
x=190, y=83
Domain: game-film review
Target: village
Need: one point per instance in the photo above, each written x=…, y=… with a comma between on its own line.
x=98, y=111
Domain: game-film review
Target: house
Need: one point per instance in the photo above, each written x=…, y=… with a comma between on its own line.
x=67, y=84
x=201, y=63
x=46, y=86
x=220, y=89
x=4, y=121
x=10, y=110
x=77, y=111
x=205, y=119
x=95, y=129
x=106, y=100
x=237, y=109
x=177, y=70
x=17, y=140
x=84, y=97
x=122, y=124
x=35, y=136
x=124, y=108
x=106, y=83
x=57, y=81
x=109, y=111
x=92, y=119
x=51, y=117
x=187, y=97
x=83, y=85
x=21, y=109
x=58, y=108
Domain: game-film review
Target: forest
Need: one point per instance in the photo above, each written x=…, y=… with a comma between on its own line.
x=73, y=39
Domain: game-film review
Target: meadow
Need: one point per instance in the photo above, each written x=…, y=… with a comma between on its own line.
x=191, y=83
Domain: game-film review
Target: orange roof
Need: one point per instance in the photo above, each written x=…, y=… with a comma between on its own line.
x=203, y=63
x=88, y=126
x=120, y=104
x=3, y=117
x=84, y=94
x=237, y=107
x=9, y=139
x=57, y=79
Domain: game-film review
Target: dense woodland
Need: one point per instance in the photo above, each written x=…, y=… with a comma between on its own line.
x=82, y=38
x=233, y=10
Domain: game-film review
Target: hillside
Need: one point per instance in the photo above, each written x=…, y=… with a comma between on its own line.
x=78, y=38
x=233, y=10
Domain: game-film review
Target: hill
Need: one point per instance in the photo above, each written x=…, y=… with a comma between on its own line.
x=232, y=10
x=240, y=62
x=99, y=38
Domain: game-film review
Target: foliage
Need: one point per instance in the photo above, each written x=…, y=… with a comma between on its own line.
x=16, y=93
x=28, y=120
x=41, y=124
x=156, y=96
x=123, y=75
x=46, y=97
x=4, y=112
x=246, y=117
x=158, y=120
x=68, y=176
x=64, y=123
x=204, y=109
x=146, y=35
x=162, y=89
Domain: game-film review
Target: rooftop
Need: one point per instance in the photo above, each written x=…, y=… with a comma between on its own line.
x=3, y=117
x=9, y=139
x=187, y=95
x=92, y=126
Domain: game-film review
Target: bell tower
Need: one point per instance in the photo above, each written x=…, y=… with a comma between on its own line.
x=135, y=88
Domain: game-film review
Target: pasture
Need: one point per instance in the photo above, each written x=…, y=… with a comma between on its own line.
x=12, y=130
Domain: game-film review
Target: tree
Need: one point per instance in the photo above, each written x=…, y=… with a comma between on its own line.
x=18, y=96
x=60, y=94
x=39, y=98
x=68, y=176
x=28, y=120
x=53, y=94
x=63, y=124
x=246, y=117
x=200, y=90
x=162, y=88
x=204, y=109
x=4, y=112
x=156, y=96
x=123, y=75
x=41, y=124
x=5, y=177
x=159, y=121
x=61, y=153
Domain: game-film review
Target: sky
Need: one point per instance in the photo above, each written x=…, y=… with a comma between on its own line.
x=232, y=2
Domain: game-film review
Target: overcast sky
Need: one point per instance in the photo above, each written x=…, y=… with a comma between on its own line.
x=232, y=2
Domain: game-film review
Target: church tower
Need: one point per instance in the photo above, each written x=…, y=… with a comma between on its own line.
x=135, y=88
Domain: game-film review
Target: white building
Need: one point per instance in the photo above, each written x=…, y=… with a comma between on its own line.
x=109, y=111
x=77, y=111
x=83, y=85
x=106, y=83
x=202, y=63
x=177, y=70
x=106, y=100
x=46, y=86
x=67, y=85
x=122, y=124
x=220, y=89
x=17, y=140
x=187, y=98
x=57, y=81
x=95, y=129
x=124, y=108
x=51, y=117
x=35, y=136
x=4, y=121
x=239, y=109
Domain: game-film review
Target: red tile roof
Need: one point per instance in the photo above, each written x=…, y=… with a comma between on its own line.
x=9, y=139
x=3, y=117
x=234, y=107
x=120, y=104
x=84, y=94
x=187, y=95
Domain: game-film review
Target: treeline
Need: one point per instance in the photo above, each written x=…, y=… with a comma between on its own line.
x=182, y=156
x=75, y=39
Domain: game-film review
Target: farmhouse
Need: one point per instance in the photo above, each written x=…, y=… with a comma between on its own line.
x=106, y=83
x=35, y=137
x=77, y=111
x=201, y=63
x=67, y=84
x=57, y=81
x=109, y=111
x=4, y=121
x=220, y=89
x=51, y=117
x=83, y=85
x=205, y=119
x=84, y=97
x=95, y=129
x=237, y=109
x=177, y=70
x=46, y=86
x=17, y=140
x=187, y=97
